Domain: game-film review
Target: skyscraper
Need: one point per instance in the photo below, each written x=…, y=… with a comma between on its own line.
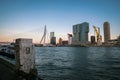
x=70, y=39
x=53, y=41
x=52, y=38
x=106, y=27
x=80, y=32
x=92, y=39
x=51, y=34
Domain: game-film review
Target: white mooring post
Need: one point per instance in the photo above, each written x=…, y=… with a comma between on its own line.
x=25, y=56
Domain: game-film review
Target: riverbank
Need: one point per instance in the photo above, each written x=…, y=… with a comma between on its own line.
x=7, y=70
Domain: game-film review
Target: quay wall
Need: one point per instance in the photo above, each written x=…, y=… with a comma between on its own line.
x=7, y=70
x=24, y=67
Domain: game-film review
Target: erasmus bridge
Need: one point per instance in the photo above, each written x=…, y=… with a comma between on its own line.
x=39, y=35
x=44, y=37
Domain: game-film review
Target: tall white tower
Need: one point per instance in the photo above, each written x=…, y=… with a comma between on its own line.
x=70, y=39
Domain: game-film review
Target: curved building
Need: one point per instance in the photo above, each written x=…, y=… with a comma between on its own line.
x=106, y=27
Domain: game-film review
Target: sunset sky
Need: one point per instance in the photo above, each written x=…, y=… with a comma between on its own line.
x=27, y=18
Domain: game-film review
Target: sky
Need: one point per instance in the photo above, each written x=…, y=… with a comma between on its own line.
x=27, y=18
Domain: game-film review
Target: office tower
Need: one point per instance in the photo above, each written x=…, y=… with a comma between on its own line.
x=70, y=39
x=92, y=39
x=52, y=38
x=80, y=32
x=106, y=27
x=51, y=34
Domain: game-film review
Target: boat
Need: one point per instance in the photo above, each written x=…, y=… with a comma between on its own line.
x=7, y=51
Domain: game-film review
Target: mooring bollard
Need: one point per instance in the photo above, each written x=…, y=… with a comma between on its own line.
x=25, y=59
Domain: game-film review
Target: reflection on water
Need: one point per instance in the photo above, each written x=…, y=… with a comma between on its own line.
x=73, y=63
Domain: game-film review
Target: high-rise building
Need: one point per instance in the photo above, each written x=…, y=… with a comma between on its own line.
x=106, y=27
x=70, y=39
x=80, y=32
x=53, y=41
x=51, y=34
x=52, y=38
x=92, y=39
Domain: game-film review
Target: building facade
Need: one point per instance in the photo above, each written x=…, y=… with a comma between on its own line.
x=70, y=39
x=52, y=38
x=106, y=27
x=60, y=41
x=65, y=43
x=53, y=41
x=92, y=39
x=118, y=40
x=80, y=32
x=51, y=34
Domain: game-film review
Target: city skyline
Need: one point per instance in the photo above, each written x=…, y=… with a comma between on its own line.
x=27, y=18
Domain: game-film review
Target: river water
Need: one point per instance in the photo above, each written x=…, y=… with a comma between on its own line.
x=78, y=63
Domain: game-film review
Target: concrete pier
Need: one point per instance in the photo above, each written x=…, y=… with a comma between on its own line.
x=24, y=68
x=7, y=70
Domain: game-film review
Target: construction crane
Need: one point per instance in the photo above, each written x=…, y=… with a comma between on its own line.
x=99, y=37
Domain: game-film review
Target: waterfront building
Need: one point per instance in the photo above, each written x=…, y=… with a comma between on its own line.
x=92, y=39
x=106, y=27
x=51, y=34
x=5, y=43
x=65, y=43
x=80, y=32
x=60, y=41
x=52, y=38
x=118, y=40
x=70, y=39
